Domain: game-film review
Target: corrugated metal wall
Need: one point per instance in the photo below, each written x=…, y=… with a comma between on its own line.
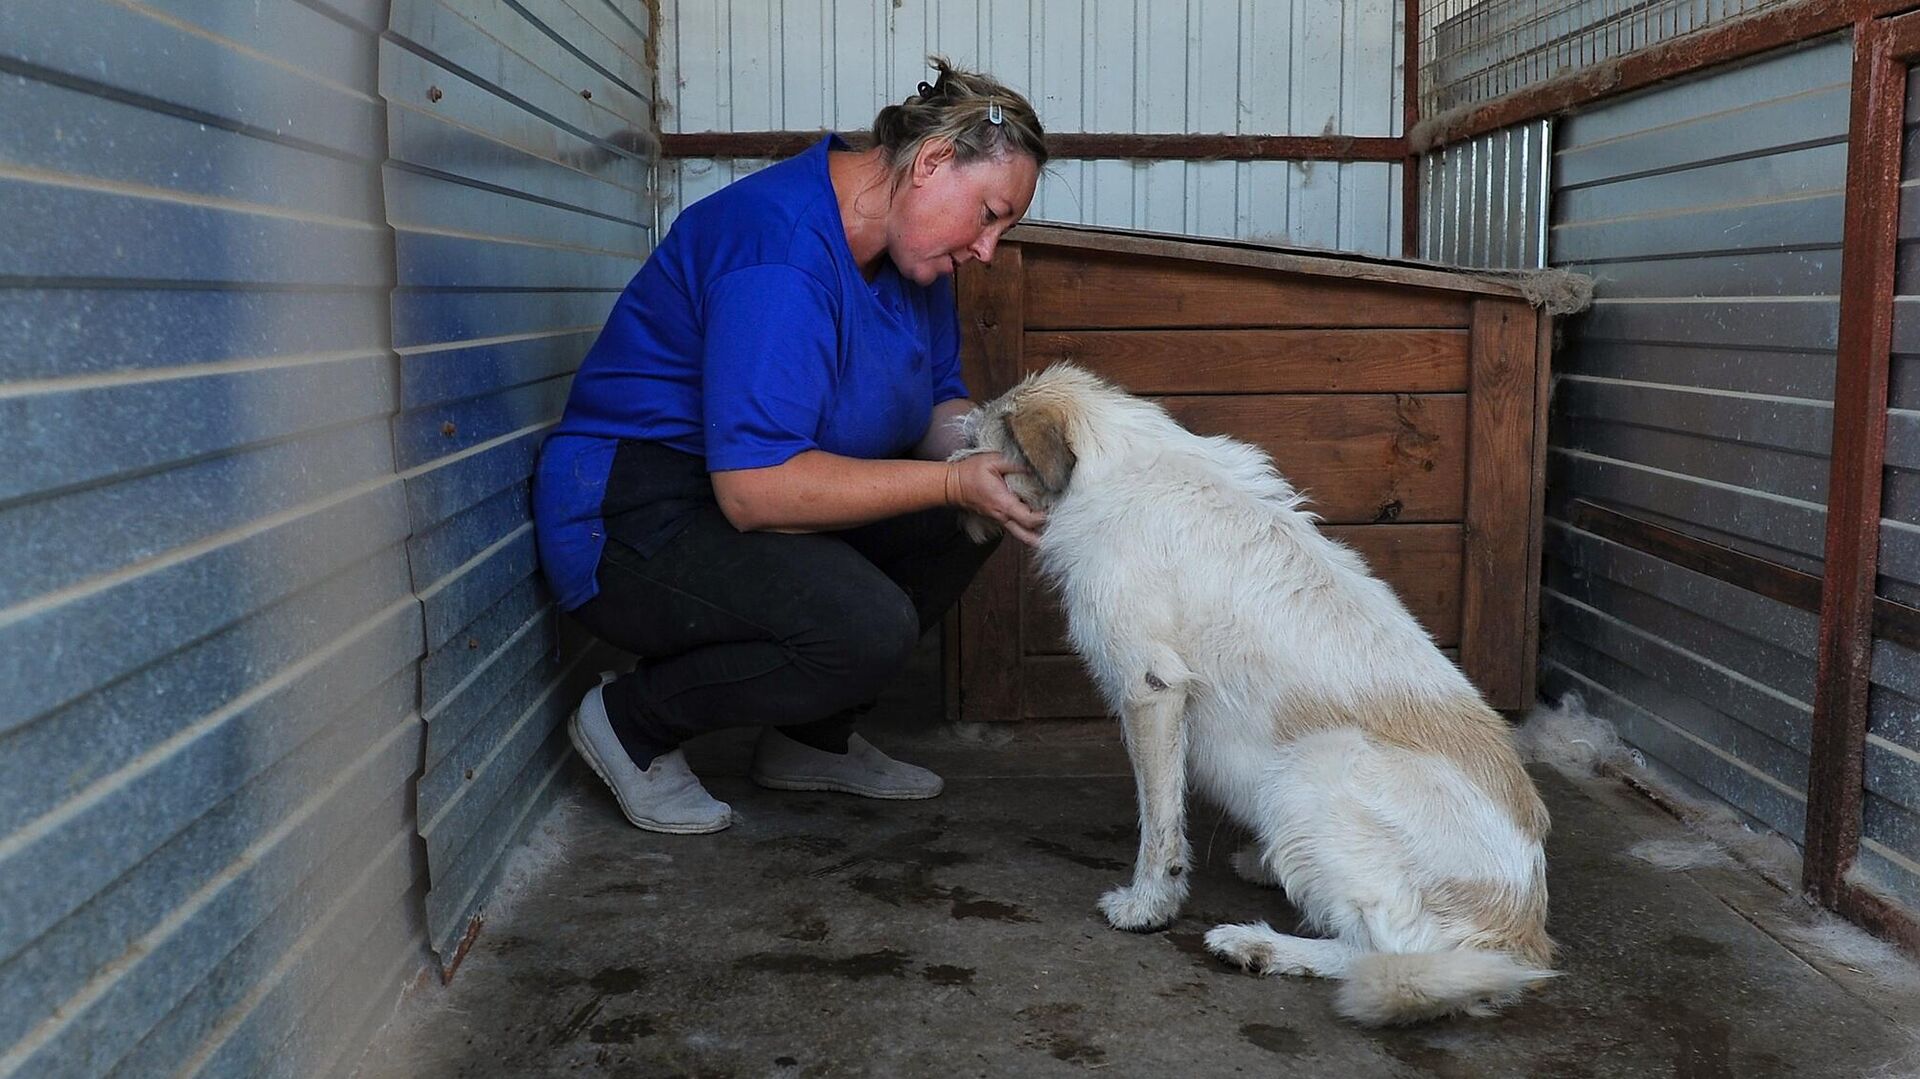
x=1300, y=67
x=249, y=542
x=208, y=638
x=517, y=190
x=1697, y=392
x=1483, y=202
x=1890, y=844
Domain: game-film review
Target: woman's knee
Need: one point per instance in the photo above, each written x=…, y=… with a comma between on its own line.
x=863, y=643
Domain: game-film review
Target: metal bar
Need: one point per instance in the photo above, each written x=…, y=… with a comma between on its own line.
x=1838, y=747
x=1749, y=36
x=1783, y=584
x=1879, y=916
x=1172, y=147
x=1410, y=117
x=1896, y=622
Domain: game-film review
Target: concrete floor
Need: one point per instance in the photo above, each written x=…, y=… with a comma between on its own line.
x=825, y=935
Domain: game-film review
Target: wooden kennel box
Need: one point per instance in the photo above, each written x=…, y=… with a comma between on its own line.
x=1408, y=400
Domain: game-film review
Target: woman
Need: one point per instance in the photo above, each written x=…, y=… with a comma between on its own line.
x=749, y=488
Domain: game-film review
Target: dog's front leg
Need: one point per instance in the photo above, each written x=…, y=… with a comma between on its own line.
x=1155, y=728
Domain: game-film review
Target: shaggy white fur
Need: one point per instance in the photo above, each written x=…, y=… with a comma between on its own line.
x=1250, y=655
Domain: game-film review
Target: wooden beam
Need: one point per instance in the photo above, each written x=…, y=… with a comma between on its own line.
x=992, y=302
x=1837, y=751
x=1083, y=147
x=1768, y=30
x=1495, y=562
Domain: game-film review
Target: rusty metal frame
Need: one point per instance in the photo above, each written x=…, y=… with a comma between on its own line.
x=1883, y=50
x=1410, y=119
x=1079, y=146
x=1763, y=32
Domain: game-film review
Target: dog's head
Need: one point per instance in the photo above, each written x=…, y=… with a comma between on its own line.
x=1042, y=425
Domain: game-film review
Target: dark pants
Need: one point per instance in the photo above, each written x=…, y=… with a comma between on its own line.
x=763, y=629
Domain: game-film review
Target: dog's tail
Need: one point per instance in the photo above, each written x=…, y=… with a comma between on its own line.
x=1388, y=988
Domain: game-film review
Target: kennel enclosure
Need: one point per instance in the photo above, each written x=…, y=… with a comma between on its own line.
x=1408, y=401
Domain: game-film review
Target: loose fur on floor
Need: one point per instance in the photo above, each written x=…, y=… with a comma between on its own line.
x=1254, y=658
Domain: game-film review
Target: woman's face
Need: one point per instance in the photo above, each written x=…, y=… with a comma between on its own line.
x=946, y=214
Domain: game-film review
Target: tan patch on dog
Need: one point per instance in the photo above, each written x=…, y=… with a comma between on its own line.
x=1038, y=426
x=1463, y=730
x=1496, y=918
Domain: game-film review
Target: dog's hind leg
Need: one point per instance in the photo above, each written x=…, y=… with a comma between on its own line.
x=1155, y=728
x=1256, y=947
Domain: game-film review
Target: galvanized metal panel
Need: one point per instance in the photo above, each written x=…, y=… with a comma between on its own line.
x=1483, y=202
x=1244, y=67
x=1697, y=393
x=208, y=635
x=227, y=584
x=516, y=191
x=1890, y=842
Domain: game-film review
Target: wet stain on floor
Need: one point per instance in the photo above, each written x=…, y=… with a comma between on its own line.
x=1066, y=853
x=1058, y=1030
x=884, y=963
x=1274, y=1039
x=944, y=974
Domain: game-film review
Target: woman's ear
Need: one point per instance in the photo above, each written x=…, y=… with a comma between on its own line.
x=1039, y=429
x=933, y=155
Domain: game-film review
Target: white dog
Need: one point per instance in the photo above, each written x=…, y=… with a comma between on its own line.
x=1246, y=651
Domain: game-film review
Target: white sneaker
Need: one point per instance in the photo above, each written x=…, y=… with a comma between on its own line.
x=784, y=764
x=666, y=797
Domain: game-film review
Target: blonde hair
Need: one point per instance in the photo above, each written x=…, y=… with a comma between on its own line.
x=976, y=113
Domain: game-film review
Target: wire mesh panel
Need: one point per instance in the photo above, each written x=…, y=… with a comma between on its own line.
x=1477, y=50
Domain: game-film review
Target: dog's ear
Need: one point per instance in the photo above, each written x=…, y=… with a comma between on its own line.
x=1039, y=429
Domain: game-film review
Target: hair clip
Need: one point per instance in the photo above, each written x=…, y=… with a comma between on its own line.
x=994, y=115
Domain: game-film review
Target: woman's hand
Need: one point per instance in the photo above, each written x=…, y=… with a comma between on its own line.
x=978, y=484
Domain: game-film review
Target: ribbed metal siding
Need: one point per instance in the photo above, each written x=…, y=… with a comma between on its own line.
x=517, y=190
x=1238, y=66
x=1697, y=392
x=1484, y=202
x=207, y=635
x=1890, y=846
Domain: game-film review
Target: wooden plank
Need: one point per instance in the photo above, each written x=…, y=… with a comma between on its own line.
x=1420, y=562
x=990, y=299
x=1500, y=469
x=1263, y=361
x=1836, y=760
x=1537, y=511
x=1262, y=256
x=1084, y=290
x=1362, y=458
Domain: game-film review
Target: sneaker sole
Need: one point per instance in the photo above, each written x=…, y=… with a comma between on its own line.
x=840, y=786
x=585, y=748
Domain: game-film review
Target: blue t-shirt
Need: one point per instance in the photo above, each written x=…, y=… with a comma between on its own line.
x=749, y=336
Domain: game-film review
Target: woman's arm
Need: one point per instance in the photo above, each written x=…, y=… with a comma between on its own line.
x=943, y=435
x=818, y=491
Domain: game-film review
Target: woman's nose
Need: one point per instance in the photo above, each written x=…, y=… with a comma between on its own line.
x=983, y=247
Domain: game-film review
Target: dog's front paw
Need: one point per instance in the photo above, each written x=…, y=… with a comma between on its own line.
x=1143, y=909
